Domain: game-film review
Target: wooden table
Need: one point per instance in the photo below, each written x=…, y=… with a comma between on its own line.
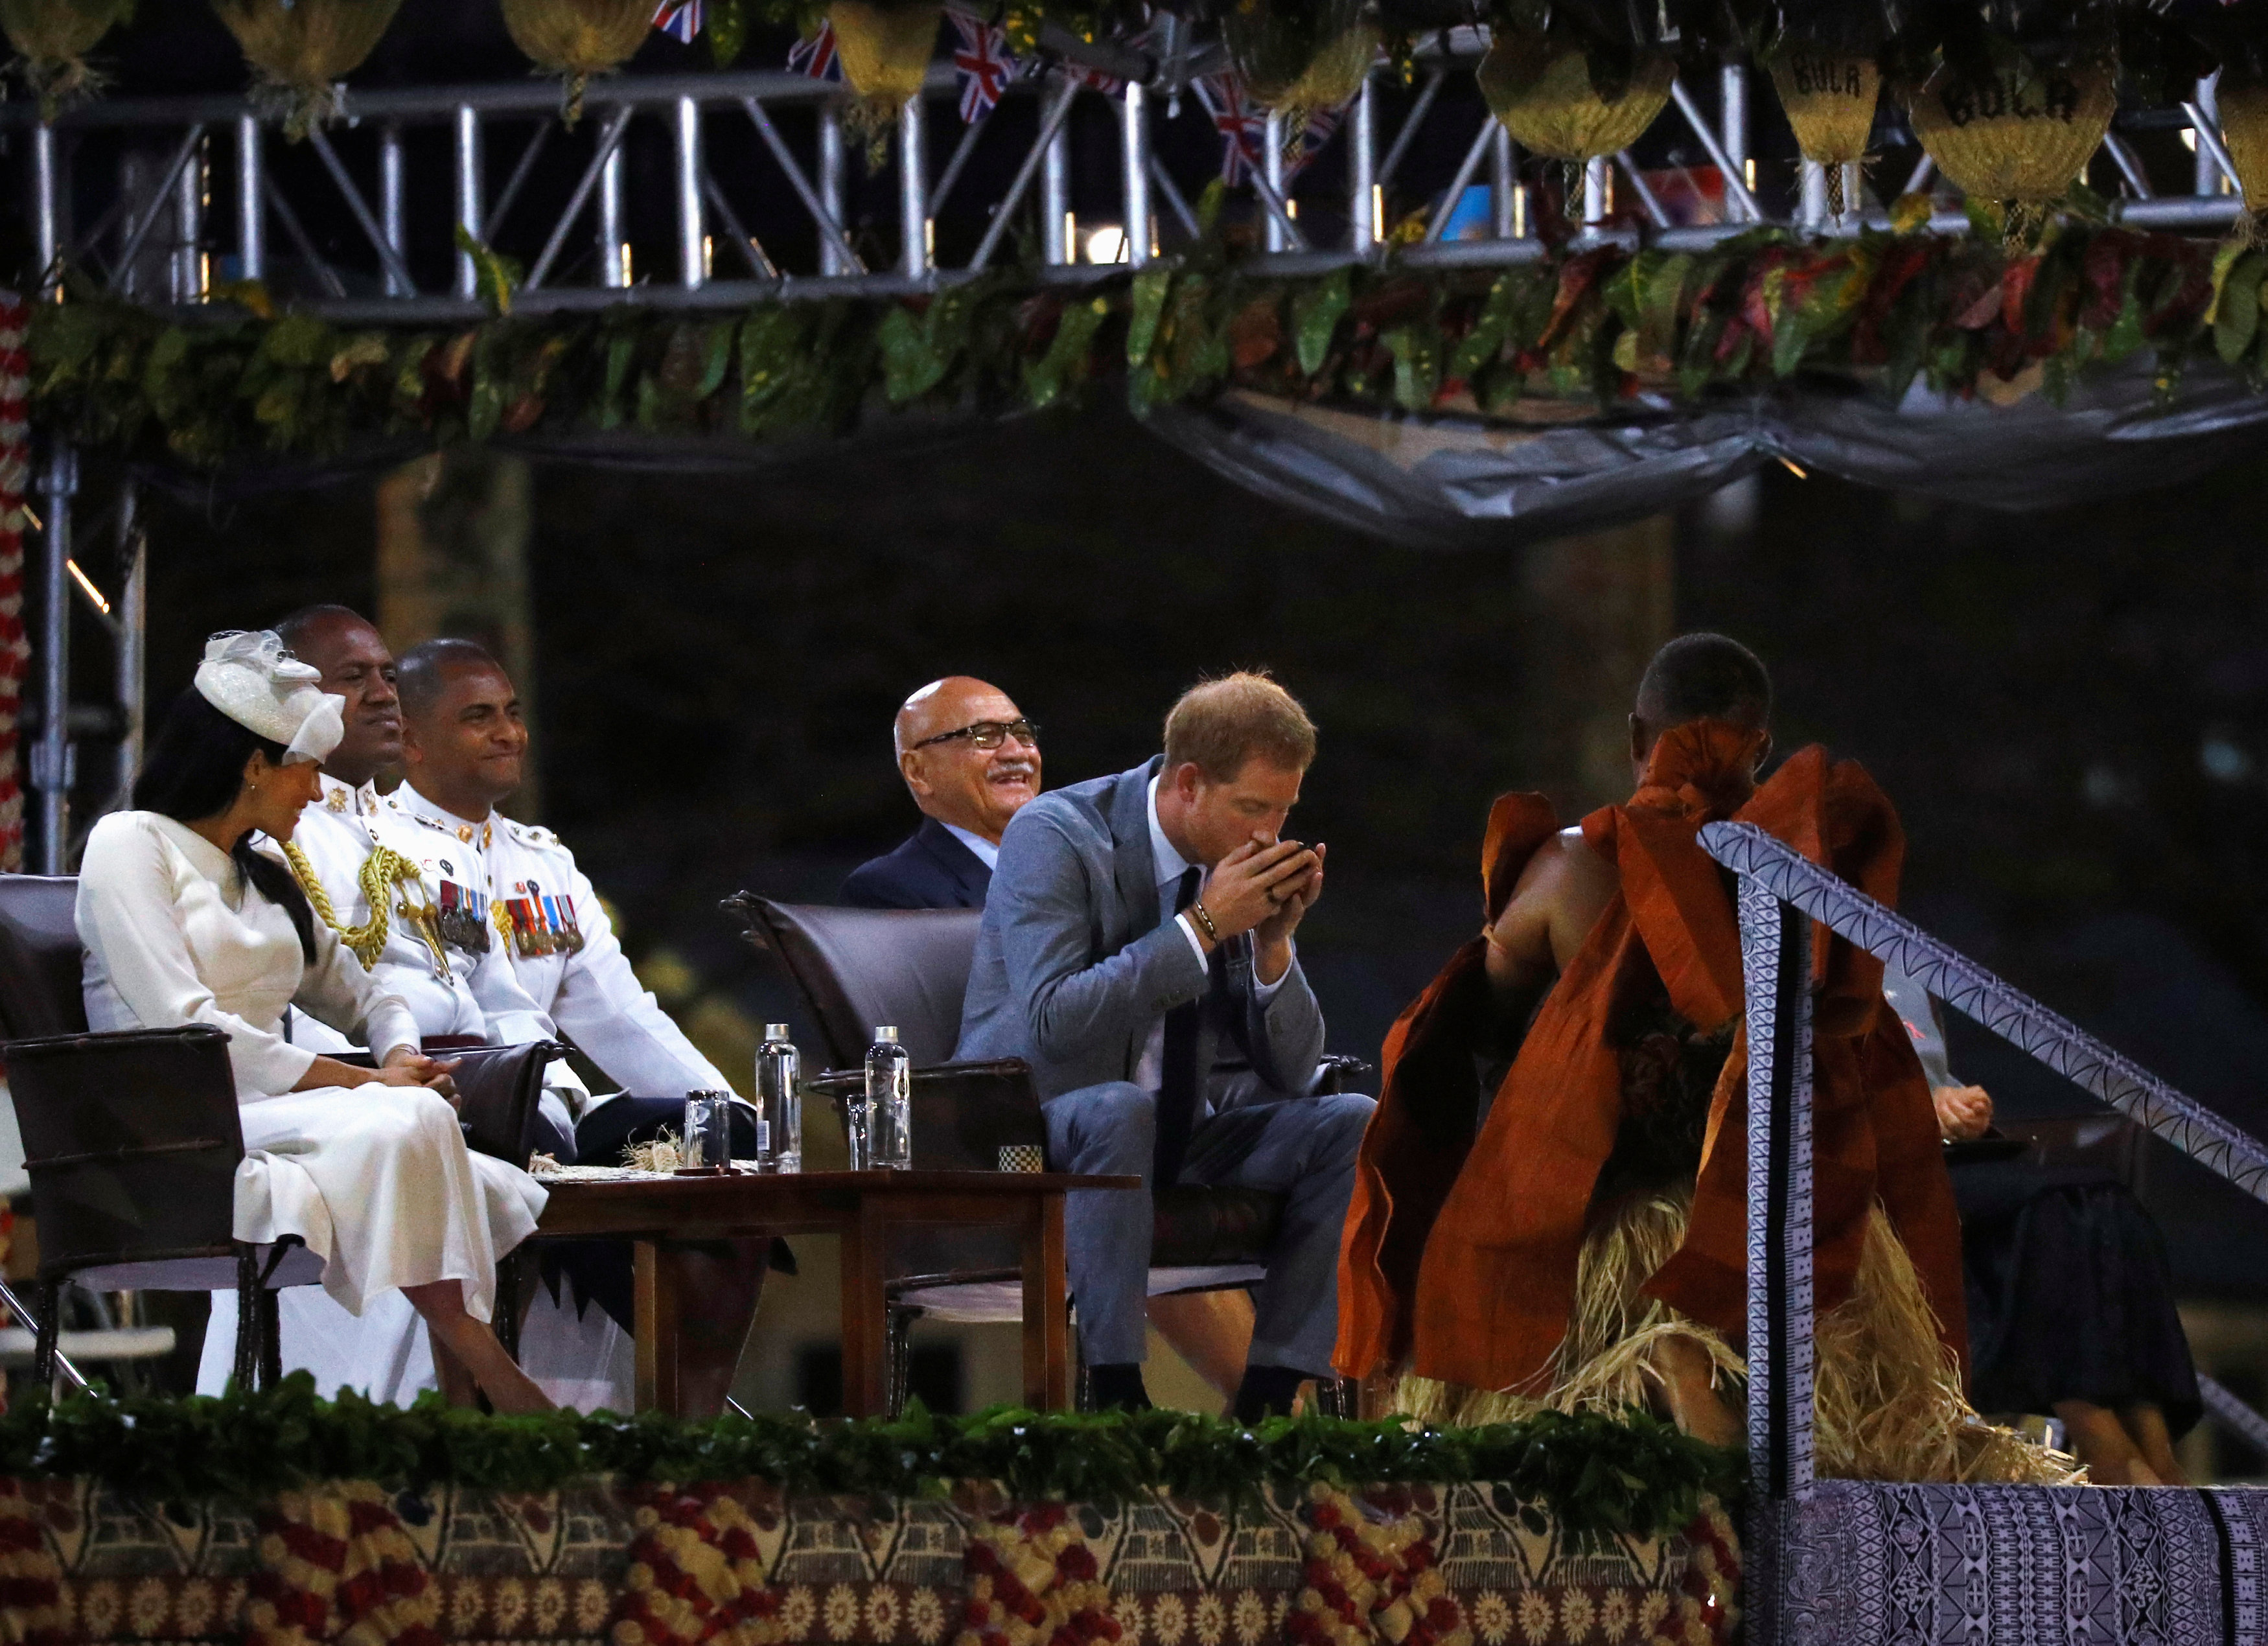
x=864, y=1208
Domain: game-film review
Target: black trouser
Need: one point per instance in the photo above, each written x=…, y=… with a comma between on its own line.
x=600, y=1271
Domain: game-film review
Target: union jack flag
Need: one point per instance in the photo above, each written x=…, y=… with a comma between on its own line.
x=1109, y=84
x=1241, y=122
x=816, y=56
x=680, y=18
x=984, y=62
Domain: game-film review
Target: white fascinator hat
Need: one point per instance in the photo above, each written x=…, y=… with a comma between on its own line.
x=249, y=677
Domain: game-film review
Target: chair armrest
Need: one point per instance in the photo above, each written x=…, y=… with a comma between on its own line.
x=192, y=1059
x=1337, y=1072
x=741, y=909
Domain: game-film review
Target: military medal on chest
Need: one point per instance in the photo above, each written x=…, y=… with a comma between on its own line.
x=539, y=922
x=461, y=915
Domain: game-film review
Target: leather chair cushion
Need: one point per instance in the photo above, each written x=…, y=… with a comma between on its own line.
x=40, y=961
x=857, y=968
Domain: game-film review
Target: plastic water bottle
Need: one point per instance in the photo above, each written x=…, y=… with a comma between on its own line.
x=889, y=1102
x=779, y=1102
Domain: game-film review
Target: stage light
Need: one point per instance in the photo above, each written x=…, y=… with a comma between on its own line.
x=1107, y=245
x=92, y=593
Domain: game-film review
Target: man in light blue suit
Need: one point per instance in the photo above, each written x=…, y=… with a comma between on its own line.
x=1136, y=945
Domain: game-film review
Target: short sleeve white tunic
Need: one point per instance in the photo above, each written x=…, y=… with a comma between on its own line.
x=376, y=1179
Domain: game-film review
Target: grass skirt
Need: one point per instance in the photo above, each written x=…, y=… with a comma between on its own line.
x=1888, y=1393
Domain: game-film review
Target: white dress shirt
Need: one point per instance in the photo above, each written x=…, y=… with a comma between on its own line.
x=988, y=852
x=1149, y=1071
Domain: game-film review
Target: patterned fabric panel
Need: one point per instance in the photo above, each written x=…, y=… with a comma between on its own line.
x=1870, y=1565
x=657, y=1566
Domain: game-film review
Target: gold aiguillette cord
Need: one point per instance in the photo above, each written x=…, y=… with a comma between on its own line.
x=383, y=870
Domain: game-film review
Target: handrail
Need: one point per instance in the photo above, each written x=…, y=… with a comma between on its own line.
x=2008, y=1012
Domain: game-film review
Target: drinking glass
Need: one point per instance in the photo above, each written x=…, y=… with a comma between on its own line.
x=708, y=1131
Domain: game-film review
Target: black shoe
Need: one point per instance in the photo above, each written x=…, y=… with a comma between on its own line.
x=1117, y=1388
x=1267, y=1391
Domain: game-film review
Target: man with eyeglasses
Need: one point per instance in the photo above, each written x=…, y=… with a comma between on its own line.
x=970, y=759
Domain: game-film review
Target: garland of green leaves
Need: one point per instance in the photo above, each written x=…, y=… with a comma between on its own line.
x=1594, y=328
x=1591, y=1475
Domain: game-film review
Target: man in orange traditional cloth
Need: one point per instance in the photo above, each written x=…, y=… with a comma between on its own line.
x=1586, y=1250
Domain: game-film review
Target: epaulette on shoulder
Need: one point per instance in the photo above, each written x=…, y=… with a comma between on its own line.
x=433, y=823
x=528, y=833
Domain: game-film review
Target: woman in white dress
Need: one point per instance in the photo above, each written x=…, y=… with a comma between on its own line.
x=184, y=923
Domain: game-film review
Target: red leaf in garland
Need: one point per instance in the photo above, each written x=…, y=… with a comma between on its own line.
x=1255, y=333
x=2016, y=286
x=1897, y=272
x=1577, y=278
x=1983, y=312
x=2185, y=299
x=1755, y=313
x=1391, y=304
x=2103, y=273
x=1038, y=316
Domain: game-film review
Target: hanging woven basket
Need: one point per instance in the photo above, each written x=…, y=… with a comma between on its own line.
x=2244, y=133
x=54, y=37
x=1543, y=92
x=2020, y=134
x=1830, y=99
x=885, y=50
x=299, y=49
x=576, y=39
x=1300, y=62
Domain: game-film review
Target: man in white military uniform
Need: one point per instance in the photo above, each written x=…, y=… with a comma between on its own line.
x=464, y=747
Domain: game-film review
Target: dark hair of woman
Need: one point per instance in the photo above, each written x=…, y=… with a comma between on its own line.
x=193, y=770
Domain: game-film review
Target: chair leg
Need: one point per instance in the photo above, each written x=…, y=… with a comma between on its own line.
x=1082, y=1386
x=246, y=1368
x=271, y=1339
x=507, y=1321
x=899, y=1344
x=1338, y=1397
x=45, y=1330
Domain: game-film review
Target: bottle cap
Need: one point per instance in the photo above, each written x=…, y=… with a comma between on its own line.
x=775, y=1031
x=884, y=1036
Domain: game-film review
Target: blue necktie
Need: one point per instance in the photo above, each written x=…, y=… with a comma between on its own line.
x=1177, y=1080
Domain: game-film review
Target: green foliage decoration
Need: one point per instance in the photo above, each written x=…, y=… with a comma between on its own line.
x=1574, y=334
x=1592, y=1476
